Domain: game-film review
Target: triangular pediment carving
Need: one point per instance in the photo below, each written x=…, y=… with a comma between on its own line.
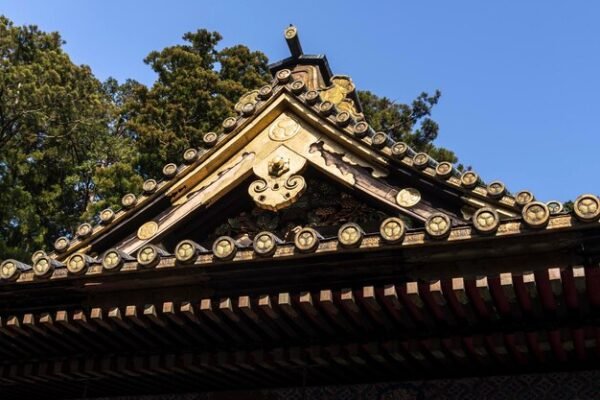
x=271, y=150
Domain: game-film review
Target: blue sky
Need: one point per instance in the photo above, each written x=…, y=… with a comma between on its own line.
x=519, y=79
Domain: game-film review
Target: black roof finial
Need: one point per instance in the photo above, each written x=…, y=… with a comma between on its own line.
x=293, y=41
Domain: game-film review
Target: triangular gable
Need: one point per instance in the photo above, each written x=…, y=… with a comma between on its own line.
x=297, y=127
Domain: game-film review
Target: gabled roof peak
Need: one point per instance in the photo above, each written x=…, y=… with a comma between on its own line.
x=298, y=58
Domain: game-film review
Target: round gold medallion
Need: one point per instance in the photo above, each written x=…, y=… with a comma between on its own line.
x=486, y=220
x=444, y=170
x=379, y=140
x=312, y=97
x=524, y=197
x=210, y=139
x=587, y=207
x=469, y=179
x=190, y=155
x=186, y=251
x=421, y=160
x=43, y=267
x=306, y=240
x=392, y=230
x=283, y=128
x=399, y=150
x=224, y=248
x=283, y=76
x=265, y=244
x=9, y=270
x=147, y=231
x=129, y=200
x=496, y=189
x=84, y=230
x=326, y=108
x=438, y=225
x=536, y=214
x=290, y=32
x=248, y=109
x=298, y=86
x=148, y=256
x=265, y=92
x=350, y=235
x=343, y=119
x=37, y=254
x=77, y=263
x=61, y=244
x=150, y=186
x=361, y=129
x=112, y=259
x=106, y=216
x=554, y=206
x=408, y=197
x=229, y=124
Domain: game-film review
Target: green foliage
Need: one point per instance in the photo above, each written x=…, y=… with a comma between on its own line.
x=55, y=140
x=71, y=145
x=409, y=123
x=196, y=89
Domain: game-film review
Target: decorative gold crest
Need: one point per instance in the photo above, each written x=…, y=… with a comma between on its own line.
x=61, y=244
x=38, y=254
x=469, y=179
x=524, y=197
x=408, y=197
x=186, y=251
x=77, y=263
x=106, y=216
x=438, y=226
x=536, y=214
x=112, y=259
x=496, y=189
x=147, y=230
x=224, y=248
x=84, y=230
x=392, y=230
x=248, y=98
x=307, y=240
x=283, y=128
x=486, y=220
x=350, y=235
x=148, y=256
x=278, y=186
x=444, y=170
x=341, y=87
x=9, y=269
x=265, y=244
x=555, y=207
x=587, y=207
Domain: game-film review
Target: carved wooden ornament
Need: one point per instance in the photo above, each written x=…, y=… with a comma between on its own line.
x=278, y=185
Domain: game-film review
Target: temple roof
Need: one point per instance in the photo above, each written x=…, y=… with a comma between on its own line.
x=304, y=119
